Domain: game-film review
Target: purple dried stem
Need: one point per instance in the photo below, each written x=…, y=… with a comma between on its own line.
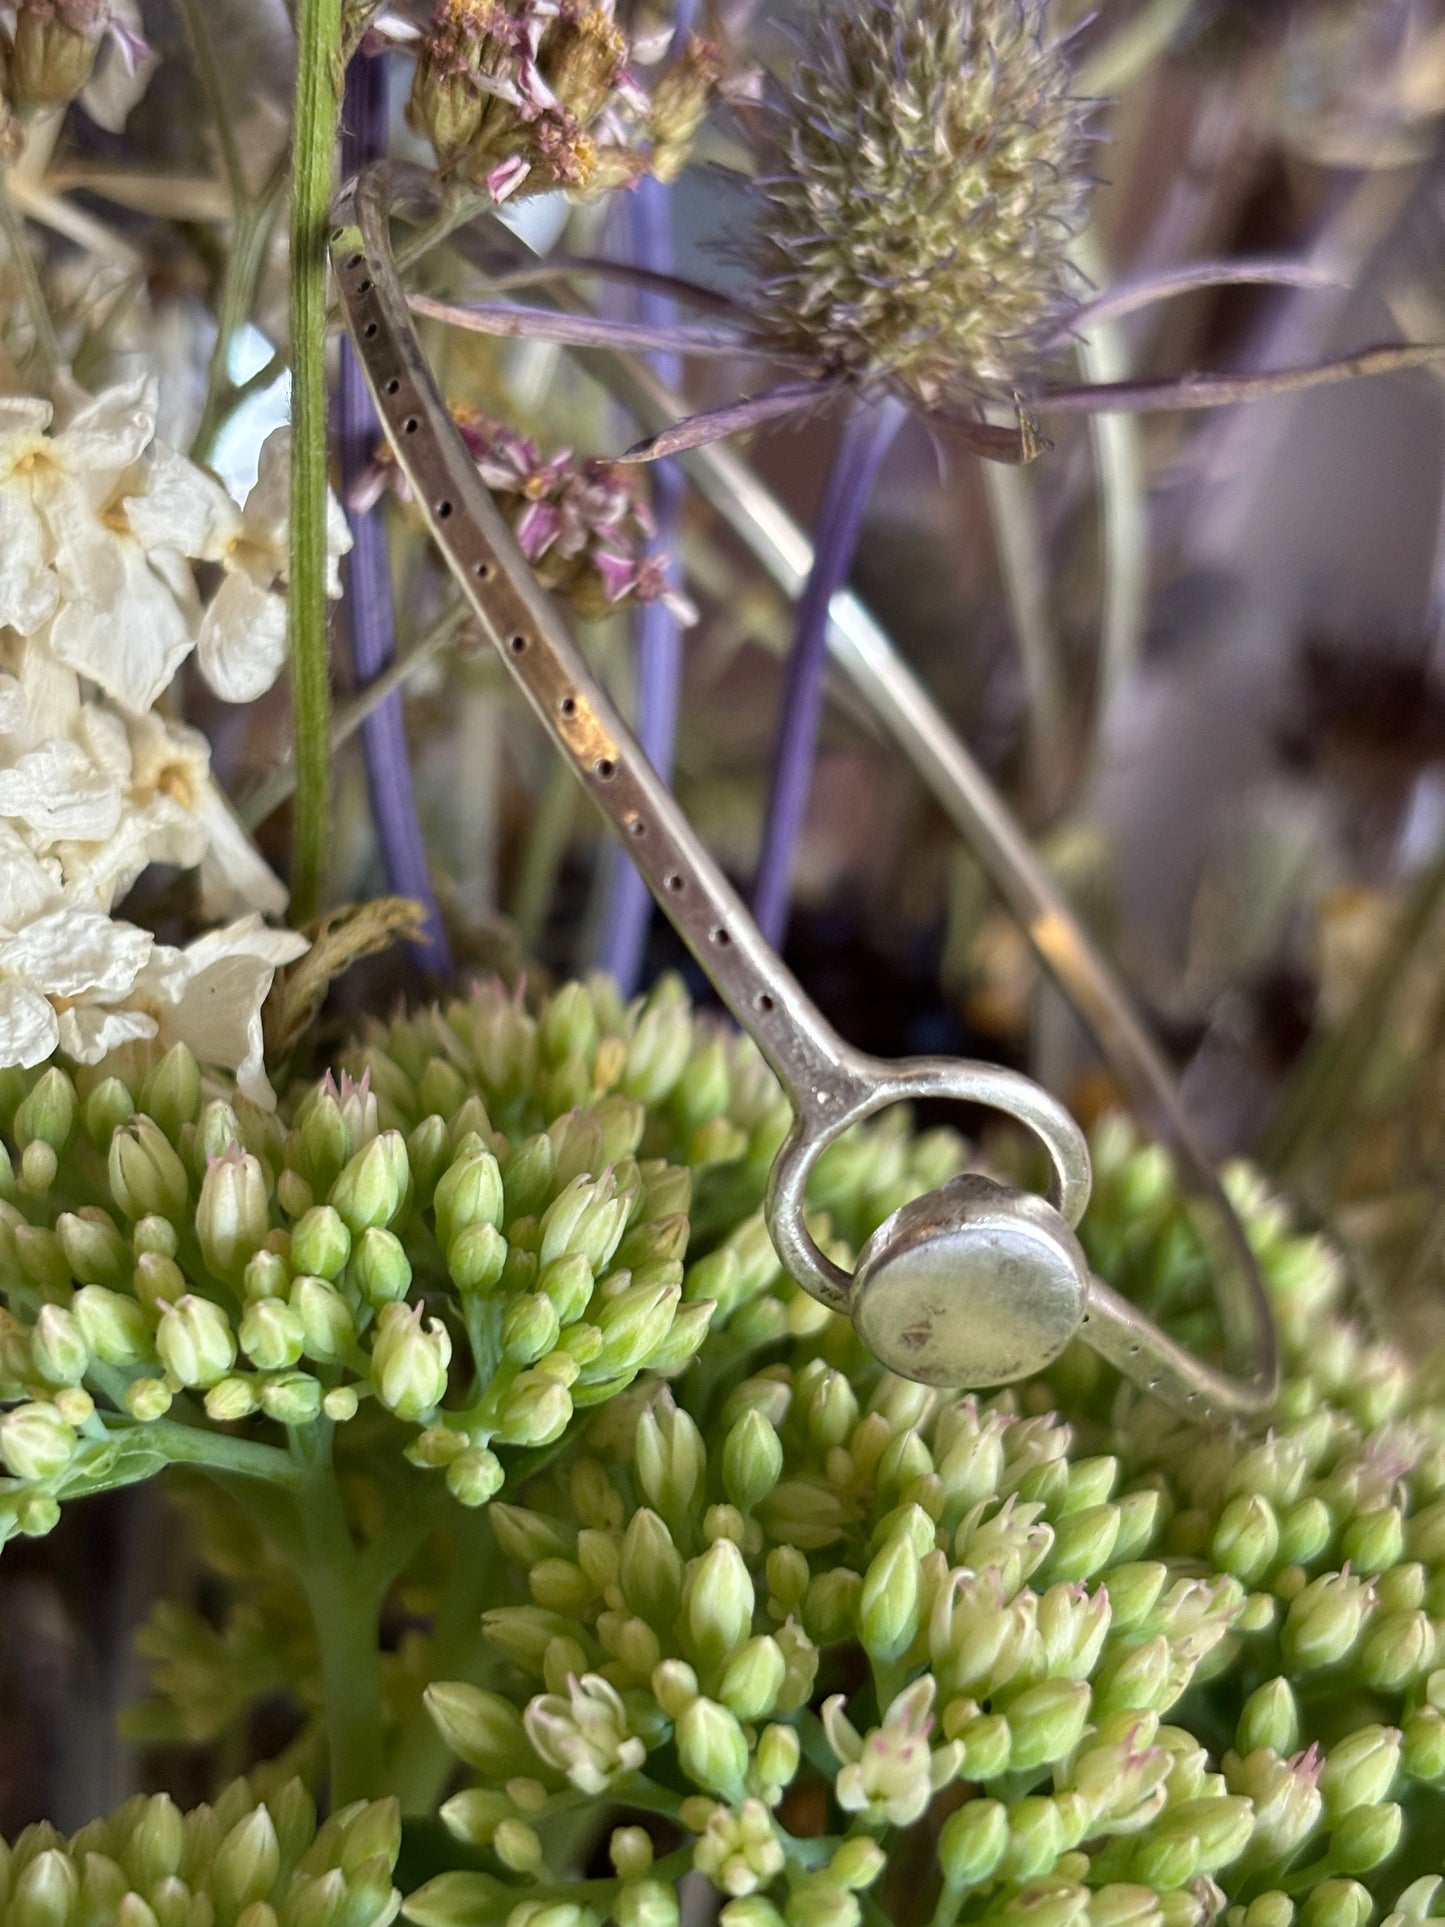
x=865, y=441
x=628, y=908
x=369, y=599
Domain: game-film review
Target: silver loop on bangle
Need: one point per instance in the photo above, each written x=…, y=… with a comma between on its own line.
x=977, y=1283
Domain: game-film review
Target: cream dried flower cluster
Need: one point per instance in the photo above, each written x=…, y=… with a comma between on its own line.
x=100, y=526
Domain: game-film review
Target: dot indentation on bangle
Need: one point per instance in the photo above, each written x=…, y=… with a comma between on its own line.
x=674, y=881
x=763, y=1002
x=604, y=769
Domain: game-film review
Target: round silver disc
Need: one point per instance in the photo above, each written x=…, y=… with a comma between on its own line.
x=973, y=1285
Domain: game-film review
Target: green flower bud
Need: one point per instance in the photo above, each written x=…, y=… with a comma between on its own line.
x=146, y=1177
x=1036, y=1838
x=35, y=1442
x=630, y=1851
x=94, y=1250
x=114, y=1326
x=45, y=1891
x=711, y=1747
x=36, y=1513
x=153, y=1848
x=857, y=1863
x=408, y=1362
x=109, y=1106
x=481, y=1728
x=321, y=1244
x=58, y=1350
x=147, y=1398
x=660, y=1045
x=233, y=1215
x=646, y=1903
x=39, y=1167
x=272, y=1335
x=1422, y=1752
x=535, y=1411
x=751, y=1910
x=1046, y=1722
x=246, y=1863
x=1325, y=1620
x=717, y=1605
x=195, y=1342
x=1269, y=1910
x=568, y=1282
x=1360, y=1769
x=326, y=1322
x=754, y=1679
x=325, y=1141
x=1286, y=1796
x=987, y=1742
x=651, y=1570
x=1138, y=1678
x=683, y=1338
x=267, y=1276
x=172, y=1092
x=670, y=1459
x=1121, y=1905
x=1270, y=1719
x=1083, y=1543
x=469, y=1192
x=527, y=1173
x=1366, y=1835
x=633, y=1325
x=40, y=1258
x=1133, y=1592
x=1305, y=1530
x=374, y=1186
x=477, y=1257
x=776, y=1762
x=752, y=1461
x=1375, y=1541
x=428, y=1149
x=1398, y=1648
x=157, y=1282
x=890, y=1602
x=48, y=1115
x=1246, y=1540
x=475, y=1476
x=586, y=1217
x=291, y=1398
x=156, y=1237
x=973, y=1841
x=830, y=1606
x=530, y=1328
x=1337, y=1903
x=230, y=1400
x=378, y=1267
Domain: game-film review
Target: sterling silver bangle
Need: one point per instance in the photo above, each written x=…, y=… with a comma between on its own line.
x=976, y=1284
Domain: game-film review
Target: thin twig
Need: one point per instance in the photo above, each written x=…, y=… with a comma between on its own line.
x=1128, y=297
x=514, y=321
x=1223, y=391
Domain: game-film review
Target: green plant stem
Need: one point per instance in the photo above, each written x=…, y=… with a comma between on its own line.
x=214, y=1451
x=422, y=1764
x=1018, y=542
x=346, y=1616
x=318, y=102
x=47, y=347
x=543, y=852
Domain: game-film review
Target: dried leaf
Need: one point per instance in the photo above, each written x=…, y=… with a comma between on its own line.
x=339, y=939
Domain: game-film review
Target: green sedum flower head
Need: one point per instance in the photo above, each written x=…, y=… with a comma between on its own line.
x=242, y=1860
x=915, y=231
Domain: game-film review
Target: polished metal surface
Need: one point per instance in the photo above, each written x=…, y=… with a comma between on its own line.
x=975, y=1284
x=1020, y=1241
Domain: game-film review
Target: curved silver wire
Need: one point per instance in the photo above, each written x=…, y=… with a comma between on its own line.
x=829, y=1084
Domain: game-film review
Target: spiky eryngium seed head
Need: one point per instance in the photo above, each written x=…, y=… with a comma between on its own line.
x=916, y=233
